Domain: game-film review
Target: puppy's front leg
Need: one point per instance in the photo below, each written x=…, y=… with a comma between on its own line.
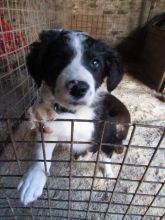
x=107, y=166
x=32, y=184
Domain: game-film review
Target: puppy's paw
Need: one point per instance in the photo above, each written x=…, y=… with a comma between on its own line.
x=109, y=174
x=108, y=171
x=31, y=185
x=42, y=113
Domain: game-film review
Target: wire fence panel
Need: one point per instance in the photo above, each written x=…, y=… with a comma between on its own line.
x=77, y=189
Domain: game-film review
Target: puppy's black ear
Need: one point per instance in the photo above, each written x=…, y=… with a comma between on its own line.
x=34, y=60
x=37, y=50
x=114, y=69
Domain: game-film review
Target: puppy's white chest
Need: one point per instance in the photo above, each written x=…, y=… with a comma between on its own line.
x=82, y=130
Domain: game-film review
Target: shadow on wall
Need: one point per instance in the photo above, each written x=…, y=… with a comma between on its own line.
x=143, y=51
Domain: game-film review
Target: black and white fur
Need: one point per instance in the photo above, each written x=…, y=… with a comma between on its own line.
x=71, y=66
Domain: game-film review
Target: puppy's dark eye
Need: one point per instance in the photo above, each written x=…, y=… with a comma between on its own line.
x=95, y=63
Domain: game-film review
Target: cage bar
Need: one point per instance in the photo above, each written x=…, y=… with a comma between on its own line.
x=45, y=165
x=96, y=167
x=125, y=155
x=111, y=21
x=70, y=170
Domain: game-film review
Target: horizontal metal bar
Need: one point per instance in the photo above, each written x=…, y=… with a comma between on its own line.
x=39, y=216
x=88, y=190
x=79, y=210
x=20, y=10
x=95, y=120
x=79, y=161
x=87, y=177
x=62, y=217
x=78, y=142
x=107, y=178
x=90, y=177
x=84, y=201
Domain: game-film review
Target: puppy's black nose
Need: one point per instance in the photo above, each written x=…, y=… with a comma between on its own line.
x=78, y=89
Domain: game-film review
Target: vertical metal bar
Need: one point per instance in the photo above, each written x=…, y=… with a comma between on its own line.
x=24, y=51
x=8, y=201
x=163, y=216
x=71, y=20
x=161, y=86
x=70, y=169
x=120, y=170
x=13, y=144
x=144, y=174
x=95, y=168
x=15, y=153
x=11, y=208
x=13, y=41
x=142, y=12
x=153, y=3
x=87, y=20
x=45, y=165
x=155, y=196
x=96, y=30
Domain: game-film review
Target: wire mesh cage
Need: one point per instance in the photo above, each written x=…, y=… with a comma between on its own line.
x=78, y=190
x=21, y=21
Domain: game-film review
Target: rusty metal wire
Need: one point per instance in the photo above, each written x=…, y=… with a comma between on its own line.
x=55, y=210
x=111, y=21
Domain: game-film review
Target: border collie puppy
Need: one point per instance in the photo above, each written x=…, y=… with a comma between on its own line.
x=71, y=66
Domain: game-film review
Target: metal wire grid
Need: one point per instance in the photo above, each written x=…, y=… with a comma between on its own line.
x=21, y=21
x=51, y=211
x=18, y=91
x=25, y=19
x=110, y=20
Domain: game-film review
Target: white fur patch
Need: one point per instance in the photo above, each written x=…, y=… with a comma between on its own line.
x=75, y=71
x=32, y=184
x=107, y=166
x=83, y=131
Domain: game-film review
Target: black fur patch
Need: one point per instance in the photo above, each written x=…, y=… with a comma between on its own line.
x=53, y=52
x=49, y=56
x=111, y=109
x=109, y=62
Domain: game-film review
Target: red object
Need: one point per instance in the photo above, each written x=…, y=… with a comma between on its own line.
x=10, y=40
